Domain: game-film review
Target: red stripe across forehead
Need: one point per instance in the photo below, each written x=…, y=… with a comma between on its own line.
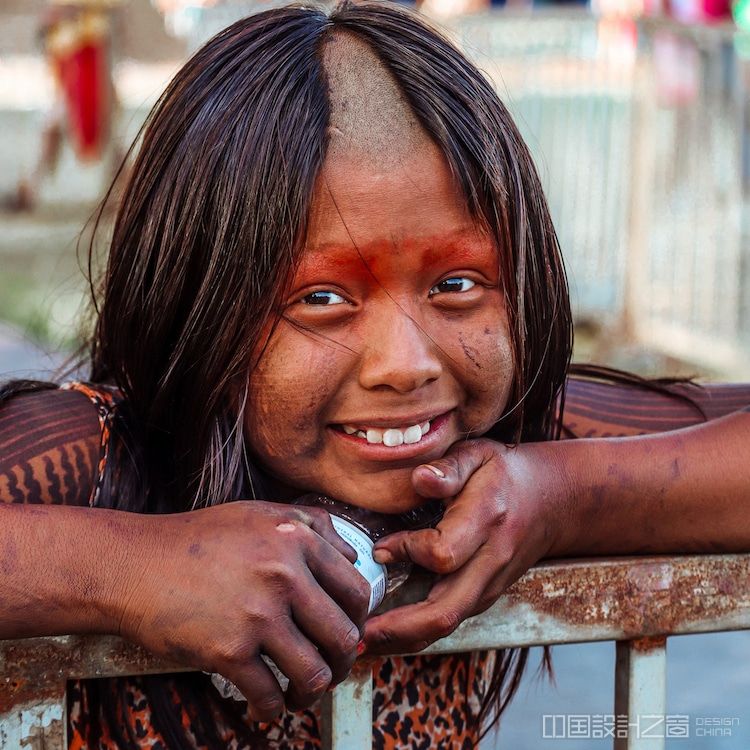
x=386, y=258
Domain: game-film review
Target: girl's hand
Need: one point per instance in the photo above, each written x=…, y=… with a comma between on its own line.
x=215, y=588
x=504, y=513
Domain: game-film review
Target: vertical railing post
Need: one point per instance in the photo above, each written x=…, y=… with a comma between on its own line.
x=347, y=712
x=39, y=723
x=641, y=692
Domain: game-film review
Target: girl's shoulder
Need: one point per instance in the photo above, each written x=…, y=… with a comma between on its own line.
x=105, y=399
x=50, y=442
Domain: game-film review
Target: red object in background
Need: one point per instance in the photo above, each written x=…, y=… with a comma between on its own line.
x=700, y=11
x=717, y=9
x=78, y=47
x=84, y=76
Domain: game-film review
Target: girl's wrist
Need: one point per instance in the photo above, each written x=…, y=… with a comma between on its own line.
x=543, y=479
x=579, y=499
x=559, y=478
x=139, y=544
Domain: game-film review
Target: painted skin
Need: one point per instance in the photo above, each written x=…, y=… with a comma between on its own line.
x=395, y=317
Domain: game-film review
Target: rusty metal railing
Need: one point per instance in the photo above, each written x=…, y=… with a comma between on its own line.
x=637, y=602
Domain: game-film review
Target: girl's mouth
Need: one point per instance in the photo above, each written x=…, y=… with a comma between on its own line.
x=397, y=441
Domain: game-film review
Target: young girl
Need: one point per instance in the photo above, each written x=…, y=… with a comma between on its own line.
x=332, y=270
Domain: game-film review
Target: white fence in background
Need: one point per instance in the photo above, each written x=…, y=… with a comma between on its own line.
x=640, y=131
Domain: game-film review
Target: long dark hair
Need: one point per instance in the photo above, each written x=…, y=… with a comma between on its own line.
x=211, y=225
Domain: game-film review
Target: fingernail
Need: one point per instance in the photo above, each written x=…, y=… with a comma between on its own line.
x=382, y=556
x=434, y=469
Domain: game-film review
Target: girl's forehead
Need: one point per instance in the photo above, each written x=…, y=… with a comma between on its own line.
x=414, y=212
x=356, y=203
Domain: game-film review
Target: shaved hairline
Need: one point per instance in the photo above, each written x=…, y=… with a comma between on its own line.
x=371, y=121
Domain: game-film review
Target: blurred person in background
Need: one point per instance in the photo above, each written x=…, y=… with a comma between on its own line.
x=76, y=39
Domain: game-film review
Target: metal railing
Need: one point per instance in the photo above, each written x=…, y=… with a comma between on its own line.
x=637, y=602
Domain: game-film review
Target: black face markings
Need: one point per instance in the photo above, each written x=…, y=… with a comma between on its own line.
x=469, y=352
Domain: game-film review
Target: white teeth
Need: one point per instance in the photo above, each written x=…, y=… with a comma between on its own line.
x=374, y=436
x=392, y=438
x=413, y=434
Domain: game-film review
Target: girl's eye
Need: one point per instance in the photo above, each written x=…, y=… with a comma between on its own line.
x=453, y=284
x=323, y=298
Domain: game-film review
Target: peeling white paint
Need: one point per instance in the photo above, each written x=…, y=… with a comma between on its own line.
x=34, y=727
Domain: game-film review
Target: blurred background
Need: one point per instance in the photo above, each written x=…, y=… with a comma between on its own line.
x=638, y=115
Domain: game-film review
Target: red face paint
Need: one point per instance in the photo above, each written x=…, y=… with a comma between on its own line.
x=395, y=322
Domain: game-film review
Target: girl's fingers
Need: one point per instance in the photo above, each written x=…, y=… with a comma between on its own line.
x=294, y=655
x=454, y=598
x=339, y=579
x=464, y=528
x=456, y=467
x=319, y=520
x=323, y=622
x=442, y=550
x=256, y=682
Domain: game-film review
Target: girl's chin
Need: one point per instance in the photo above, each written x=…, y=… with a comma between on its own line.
x=388, y=505
x=381, y=497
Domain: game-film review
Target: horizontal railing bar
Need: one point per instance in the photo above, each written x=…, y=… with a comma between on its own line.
x=555, y=602
x=614, y=599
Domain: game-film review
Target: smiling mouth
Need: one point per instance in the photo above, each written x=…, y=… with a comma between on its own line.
x=390, y=437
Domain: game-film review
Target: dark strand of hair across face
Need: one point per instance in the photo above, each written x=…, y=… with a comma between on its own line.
x=210, y=226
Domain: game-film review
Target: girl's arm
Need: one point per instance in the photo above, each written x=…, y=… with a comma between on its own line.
x=59, y=564
x=676, y=492
x=684, y=490
x=212, y=588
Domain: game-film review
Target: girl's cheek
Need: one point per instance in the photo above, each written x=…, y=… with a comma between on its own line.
x=488, y=364
x=290, y=391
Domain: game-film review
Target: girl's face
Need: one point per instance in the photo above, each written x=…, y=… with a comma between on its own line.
x=394, y=341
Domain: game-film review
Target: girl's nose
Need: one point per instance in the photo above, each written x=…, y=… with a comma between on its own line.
x=398, y=354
